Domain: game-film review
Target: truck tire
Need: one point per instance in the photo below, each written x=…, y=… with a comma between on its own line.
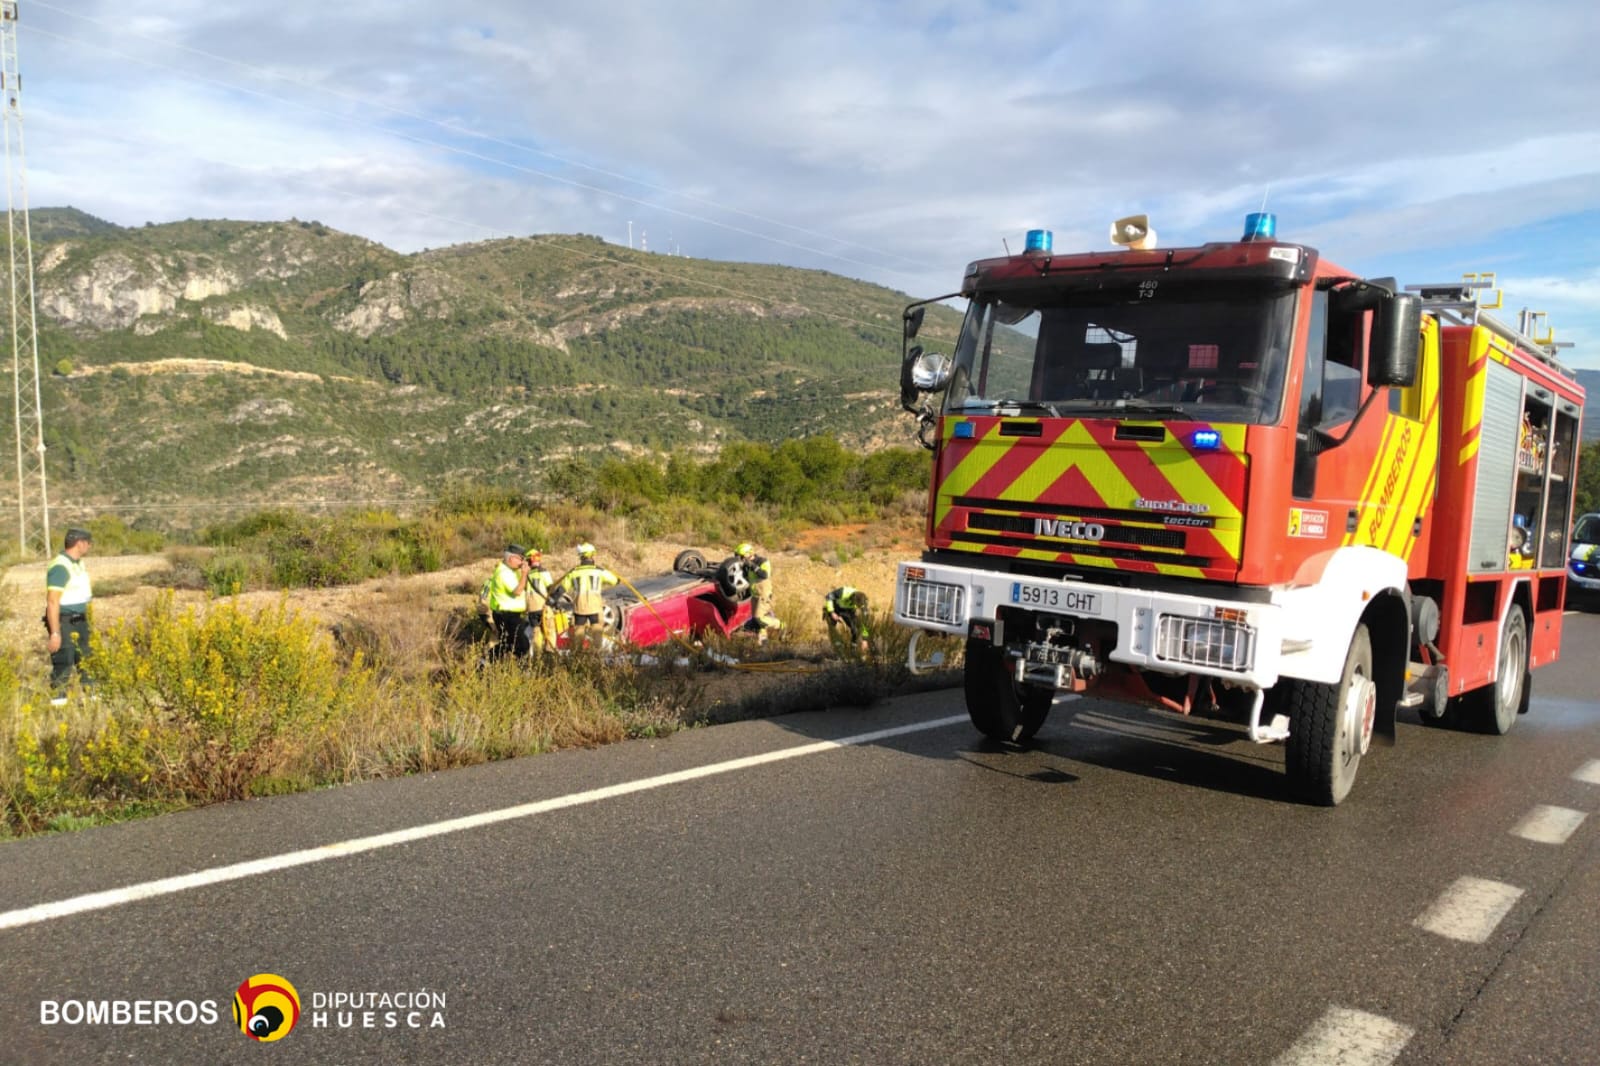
x=689, y=561
x=1000, y=708
x=1330, y=727
x=1493, y=709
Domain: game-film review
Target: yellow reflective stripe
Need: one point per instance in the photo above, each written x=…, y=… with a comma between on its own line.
x=1076, y=448
x=982, y=455
x=1191, y=483
x=1380, y=462
x=1472, y=408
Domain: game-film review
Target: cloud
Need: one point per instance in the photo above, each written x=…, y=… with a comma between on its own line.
x=892, y=141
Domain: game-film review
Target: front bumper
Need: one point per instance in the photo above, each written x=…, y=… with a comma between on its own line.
x=1160, y=631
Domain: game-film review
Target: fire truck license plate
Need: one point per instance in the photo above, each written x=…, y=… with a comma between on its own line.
x=1057, y=599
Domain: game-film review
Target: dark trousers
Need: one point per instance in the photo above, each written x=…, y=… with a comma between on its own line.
x=851, y=622
x=511, y=633
x=74, y=649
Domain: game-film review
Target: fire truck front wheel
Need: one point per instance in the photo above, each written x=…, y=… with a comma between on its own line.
x=1000, y=708
x=1330, y=727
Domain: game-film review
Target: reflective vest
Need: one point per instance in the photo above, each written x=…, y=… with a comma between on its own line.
x=538, y=590
x=74, y=588
x=842, y=598
x=759, y=571
x=503, y=596
x=586, y=584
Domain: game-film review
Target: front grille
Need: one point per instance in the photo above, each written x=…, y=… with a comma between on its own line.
x=1205, y=642
x=932, y=601
x=1142, y=535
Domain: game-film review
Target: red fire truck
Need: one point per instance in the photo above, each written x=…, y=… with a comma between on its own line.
x=1237, y=479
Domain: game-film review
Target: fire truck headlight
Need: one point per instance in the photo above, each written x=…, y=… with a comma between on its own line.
x=933, y=601
x=1222, y=644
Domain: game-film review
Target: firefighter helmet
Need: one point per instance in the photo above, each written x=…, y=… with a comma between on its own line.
x=585, y=551
x=744, y=550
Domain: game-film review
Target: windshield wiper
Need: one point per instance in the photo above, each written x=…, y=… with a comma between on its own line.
x=1136, y=404
x=1029, y=405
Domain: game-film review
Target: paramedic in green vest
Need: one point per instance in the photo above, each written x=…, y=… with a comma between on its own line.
x=508, y=603
x=758, y=569
x=585, y=585
x=66, y=612
x=847, y=606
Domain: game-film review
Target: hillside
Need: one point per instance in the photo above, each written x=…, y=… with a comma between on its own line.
x=1590, y=380
x=388, y=375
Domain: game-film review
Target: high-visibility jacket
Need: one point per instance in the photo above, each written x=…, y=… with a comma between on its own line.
x=69, y=576
x=586, y=584
x=503, y=595
x=842, y=598
x=758, y=569
x=538, y=590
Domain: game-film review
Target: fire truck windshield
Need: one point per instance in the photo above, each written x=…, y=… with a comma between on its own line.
x=1207, y=351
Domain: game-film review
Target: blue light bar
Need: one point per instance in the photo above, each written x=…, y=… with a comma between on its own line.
x=1039, y=240
x=963, y=431
x=1206, y=440
x=1260, y=226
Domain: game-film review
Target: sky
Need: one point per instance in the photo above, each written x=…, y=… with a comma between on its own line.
x=883, y=140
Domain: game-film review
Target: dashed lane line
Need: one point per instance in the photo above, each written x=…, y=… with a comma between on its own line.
x=1549, y=825
x=1470, y=909
x=1346, y=1037
x=168, y=885
x=1589, y=772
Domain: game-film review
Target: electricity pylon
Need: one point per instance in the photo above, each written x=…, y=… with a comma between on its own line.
x=33, y=497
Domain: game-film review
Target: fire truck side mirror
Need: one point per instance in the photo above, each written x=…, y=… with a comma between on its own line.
x=1396, y=340
x=922, y=372
x=913, y=321
x=908, y=387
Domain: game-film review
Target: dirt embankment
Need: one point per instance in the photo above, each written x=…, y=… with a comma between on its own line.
x=804, y=571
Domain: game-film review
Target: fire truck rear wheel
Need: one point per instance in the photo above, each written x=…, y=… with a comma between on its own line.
x=1000, y=708
x=1330, y=727
x=1494, y=708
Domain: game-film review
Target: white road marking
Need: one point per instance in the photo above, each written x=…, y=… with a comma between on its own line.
x=1589, y=772
x=1549, y=825
x=1345, y=1037
x=1470, y=909
x=43, y=912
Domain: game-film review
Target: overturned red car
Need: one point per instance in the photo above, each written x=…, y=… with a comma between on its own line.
x=696, y=598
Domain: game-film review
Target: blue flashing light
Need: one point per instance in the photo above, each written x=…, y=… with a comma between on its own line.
x=1260, y=226
x=963, y=431
x=1039, y=240
x=1578, y=568
x=1206, y=440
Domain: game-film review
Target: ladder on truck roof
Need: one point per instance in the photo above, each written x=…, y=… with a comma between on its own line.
x=1457, y=302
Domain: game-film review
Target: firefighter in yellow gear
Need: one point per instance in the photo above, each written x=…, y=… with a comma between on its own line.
x=758, y=571
x=585, y=585
x=540, y=587
x=847, y=606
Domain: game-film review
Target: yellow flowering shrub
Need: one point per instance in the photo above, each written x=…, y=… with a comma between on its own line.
x=218, y=698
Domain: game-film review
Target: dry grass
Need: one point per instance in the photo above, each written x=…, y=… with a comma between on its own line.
x=403, y=687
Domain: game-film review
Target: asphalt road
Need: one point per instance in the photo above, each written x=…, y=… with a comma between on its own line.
x=1134, y=889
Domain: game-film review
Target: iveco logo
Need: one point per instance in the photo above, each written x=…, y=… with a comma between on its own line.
x=1050, y=527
